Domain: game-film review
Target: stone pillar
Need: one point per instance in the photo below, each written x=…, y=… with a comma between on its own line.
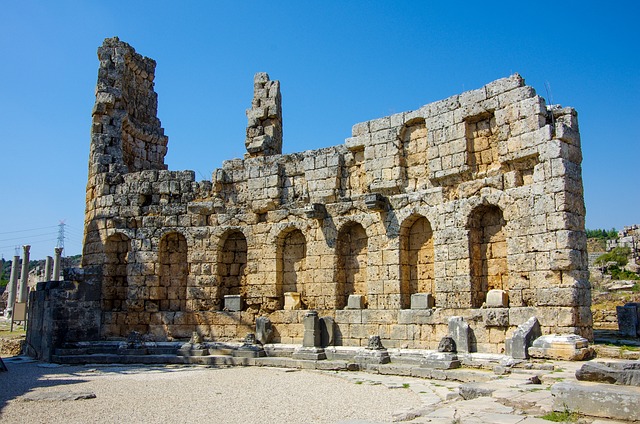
x=311, y=340
x=24, y=275
x=13, y=285
x=56, y=263
x=47, y=268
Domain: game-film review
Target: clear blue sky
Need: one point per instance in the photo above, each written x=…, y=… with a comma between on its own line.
x=339, y=63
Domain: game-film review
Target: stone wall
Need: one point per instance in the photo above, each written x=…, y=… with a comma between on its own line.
x=476, y=192
x=63, y=312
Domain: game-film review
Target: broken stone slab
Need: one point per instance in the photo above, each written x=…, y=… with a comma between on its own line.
x=460, y=331
x=597, y=400
x=327, y=331
x=194, y=347
x=474, y=390
x=568, y=347
x=264, y=330
x=497, y=299
x=250, y=348
x=621, y=285
x=623, y=373
x=517, y=346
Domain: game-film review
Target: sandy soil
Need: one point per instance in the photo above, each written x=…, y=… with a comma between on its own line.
x=144, y=394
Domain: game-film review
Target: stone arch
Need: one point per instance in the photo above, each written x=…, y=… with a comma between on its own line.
x=232, y=264
x=171, y=293
x=115, y=284
x=414, y=153
x=291, y=254
x=351, y=269
x=488, y=252
x=416, y=259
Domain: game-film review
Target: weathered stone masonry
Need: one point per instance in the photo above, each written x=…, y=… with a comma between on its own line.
x=481, y=191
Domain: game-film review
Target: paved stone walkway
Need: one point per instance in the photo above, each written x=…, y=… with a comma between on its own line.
x=502, y=399
x=520, y=397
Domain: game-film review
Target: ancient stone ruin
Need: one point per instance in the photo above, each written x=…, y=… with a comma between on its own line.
x=469, y=207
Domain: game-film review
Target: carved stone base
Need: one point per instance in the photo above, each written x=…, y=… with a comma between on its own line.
x=313, y=353
x=369, y=356
x=250, y=351
x=441, y=361
x=189, y=349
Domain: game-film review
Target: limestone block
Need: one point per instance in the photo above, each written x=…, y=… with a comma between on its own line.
x=422, y=301
x=312, y=336
x=441, y=360
x=375, y=201
x=460, y=331
x=233, y=302
x=611, y=402
x=264, y=330
x=627, y=320
x=623, y=373
x=356, y=301
x=497, y=299
x=568, y=347
x=517, y=346
x=292, y=301
x=327, y=331
x=496, y=317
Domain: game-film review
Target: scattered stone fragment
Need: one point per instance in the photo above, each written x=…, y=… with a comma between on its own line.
x=517, y=346
x=568, y=347
x=56, y=396
x=264, y=330
x=474, y=390
x=447, y=344
x=597, y=400
x=624, y=373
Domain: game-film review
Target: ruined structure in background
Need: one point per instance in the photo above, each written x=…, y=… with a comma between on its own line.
x=471, y=207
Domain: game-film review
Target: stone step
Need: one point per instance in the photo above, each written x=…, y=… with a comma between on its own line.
x=112, y=350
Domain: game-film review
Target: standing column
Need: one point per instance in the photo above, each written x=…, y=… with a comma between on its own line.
x=47, y=268
x=56, y=263
x=24, y=275
x=13, y=285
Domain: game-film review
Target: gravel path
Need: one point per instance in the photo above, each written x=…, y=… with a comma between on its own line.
x=143, y=394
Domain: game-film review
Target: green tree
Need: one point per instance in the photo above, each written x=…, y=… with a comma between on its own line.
x=619, y=255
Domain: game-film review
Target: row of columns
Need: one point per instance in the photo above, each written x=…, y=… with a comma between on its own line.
x=18, y=293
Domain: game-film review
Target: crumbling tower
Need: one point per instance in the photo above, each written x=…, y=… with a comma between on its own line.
x=264, y=129
x=126, y=135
